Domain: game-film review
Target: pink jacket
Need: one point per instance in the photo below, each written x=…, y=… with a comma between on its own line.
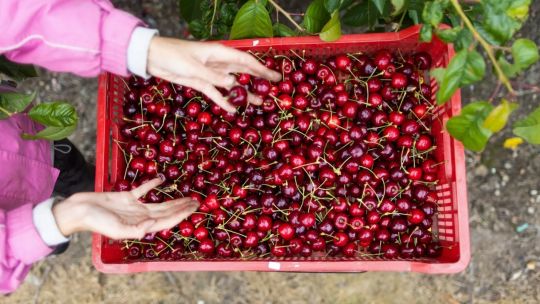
x=80, y=36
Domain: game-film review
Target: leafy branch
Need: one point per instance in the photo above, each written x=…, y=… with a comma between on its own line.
x=489, y=25
x=487, y=47
x=287, y=15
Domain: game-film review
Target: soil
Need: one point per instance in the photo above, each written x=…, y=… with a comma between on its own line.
x=504, y=207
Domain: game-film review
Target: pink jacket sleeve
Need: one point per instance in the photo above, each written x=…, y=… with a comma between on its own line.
x=20, y=246
x=82, y=36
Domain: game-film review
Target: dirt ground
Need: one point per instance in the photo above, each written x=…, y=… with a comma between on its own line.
x=504, y=204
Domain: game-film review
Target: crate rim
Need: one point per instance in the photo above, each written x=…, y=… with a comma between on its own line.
x=295, y=266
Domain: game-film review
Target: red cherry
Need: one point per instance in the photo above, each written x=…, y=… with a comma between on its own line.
x=423, y=143
x=238, y=96
x=286, y=231
x=399, y=81
x=243, y=78
x=416, y=216
x=343, y=62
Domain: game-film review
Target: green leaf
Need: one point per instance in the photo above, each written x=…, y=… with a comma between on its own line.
x=52, y=133
x=413, y=14
x=519, y=9
x=332, y=5
x=426, y=33
x=463, y=40
x=438, y=73
x=433, y=13
x=198, y=30
x=11, y=103
x=468, y=126
x=502, y=19
x=475, y=68
x=448, y=35
x=416, y=5
x=525, y=53
x=380, y=5
x=332, y=29
x=54, y=114
x=17, y=72
x=497, y=118
x=190, y=9
x=361, y=14
x=227, y=13
x=316, y=17
x=465, y=68
x=281, y=30
x=529, y=127
x=252, y=21
x=508, y=69
x=398, y=6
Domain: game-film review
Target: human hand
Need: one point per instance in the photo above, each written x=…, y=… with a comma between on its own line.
x=204, y=66
x=119, y=215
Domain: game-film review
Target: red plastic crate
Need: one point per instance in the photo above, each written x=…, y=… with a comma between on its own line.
x=451, y=223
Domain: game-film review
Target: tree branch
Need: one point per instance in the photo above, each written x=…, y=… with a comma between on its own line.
x=287, y=15
x=487, y=47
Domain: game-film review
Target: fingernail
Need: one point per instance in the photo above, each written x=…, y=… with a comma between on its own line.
x=231, y=80
x=161, y=176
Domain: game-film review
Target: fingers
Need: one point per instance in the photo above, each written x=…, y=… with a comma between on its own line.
x=254, y=99
x=245, y=62
x=127, y=231
x=158, y=210
x=144, y=188
x=209, y=90
x=176, y=215
x=218, y=79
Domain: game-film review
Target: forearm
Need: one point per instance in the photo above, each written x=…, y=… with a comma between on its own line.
x=83, y=37
x=68, y=215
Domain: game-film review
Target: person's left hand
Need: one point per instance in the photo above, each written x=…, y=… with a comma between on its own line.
x=204, y=66
x=119, y=215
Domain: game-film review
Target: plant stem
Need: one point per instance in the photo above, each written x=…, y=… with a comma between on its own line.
x=487, y=47
x=213, y=18
x=287, y=15
x=8, y=113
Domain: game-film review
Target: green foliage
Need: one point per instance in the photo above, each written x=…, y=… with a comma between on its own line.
x=17, y=72
x=59, y=118
x=316, y=17
x=252, y=20
x=468, y=127
x=332, y=29
x=11, y=103
x=478, y=30
x=529, y=127
x=465, y=68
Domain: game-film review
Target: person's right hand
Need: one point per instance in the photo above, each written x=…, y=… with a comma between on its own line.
x=204, y=66
x=119, y=215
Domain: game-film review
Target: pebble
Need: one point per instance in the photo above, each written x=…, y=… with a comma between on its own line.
x=507, y=165
x=493, y=170
x=481, y=171
x=497, y=192
x=531, y=265
x=516, y=275
x=534, y=192
x=530, y=210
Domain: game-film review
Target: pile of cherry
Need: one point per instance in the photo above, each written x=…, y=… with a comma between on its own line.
x=335, y=162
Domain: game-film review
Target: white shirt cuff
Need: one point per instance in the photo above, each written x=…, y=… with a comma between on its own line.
x=137, y=52
x=46, y=224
